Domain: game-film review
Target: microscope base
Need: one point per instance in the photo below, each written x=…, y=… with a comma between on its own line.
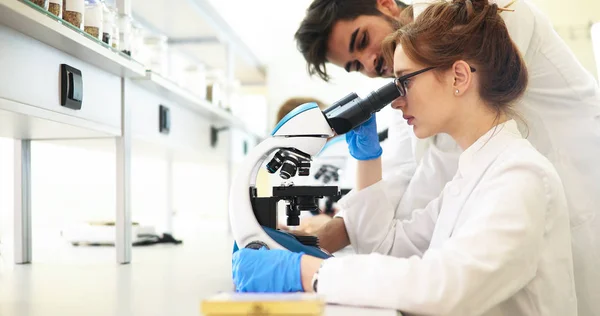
x=290, y=242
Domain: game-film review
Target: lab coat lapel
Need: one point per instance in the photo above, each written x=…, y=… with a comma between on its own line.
x=472, y=166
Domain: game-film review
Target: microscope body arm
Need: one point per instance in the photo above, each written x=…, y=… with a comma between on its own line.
x=298, y=135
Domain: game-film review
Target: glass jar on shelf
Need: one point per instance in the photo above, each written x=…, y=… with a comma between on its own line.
x=215, y=88
x=157, y=58
x=234, y=100
x=137, y=39
x=125, y=22
x=41, y=3
x=115, y=29
x=193, y=79
x=108, y=23
x=73, y=12
x=56, y=7
x=94, y=11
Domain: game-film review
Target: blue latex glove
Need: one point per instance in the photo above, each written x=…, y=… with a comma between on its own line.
x=272, y=271
x=363, y=141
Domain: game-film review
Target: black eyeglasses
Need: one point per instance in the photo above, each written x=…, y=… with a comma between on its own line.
x=402, y=81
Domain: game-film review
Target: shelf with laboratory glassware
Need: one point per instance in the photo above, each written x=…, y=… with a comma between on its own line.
x=133, y=62
x=157, y=83
x=38, y=23
x=197, y=28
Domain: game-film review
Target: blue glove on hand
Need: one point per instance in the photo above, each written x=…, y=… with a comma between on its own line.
x=263, y=270
x=363, y=141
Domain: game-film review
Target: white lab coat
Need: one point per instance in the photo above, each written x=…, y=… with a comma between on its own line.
x=495, y=242
x=561, y=109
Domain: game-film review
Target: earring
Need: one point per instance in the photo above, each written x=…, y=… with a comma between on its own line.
x=457, y=92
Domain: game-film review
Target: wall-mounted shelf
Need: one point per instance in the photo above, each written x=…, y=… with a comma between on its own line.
x=47, y=28
x=39, y=24
x=178, y=95
x=195, y=28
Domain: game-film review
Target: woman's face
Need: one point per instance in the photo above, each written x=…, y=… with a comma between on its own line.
x=429, y=104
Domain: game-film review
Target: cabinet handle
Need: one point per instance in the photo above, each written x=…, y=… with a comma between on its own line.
x=71, y=87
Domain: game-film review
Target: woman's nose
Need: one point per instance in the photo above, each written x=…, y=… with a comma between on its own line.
x=399, y=103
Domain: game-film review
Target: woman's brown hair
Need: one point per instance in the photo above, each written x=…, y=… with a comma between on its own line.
x=469, y=30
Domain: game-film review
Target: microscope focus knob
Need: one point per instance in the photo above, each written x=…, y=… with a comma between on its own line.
x=308, y=240
x=256, y=245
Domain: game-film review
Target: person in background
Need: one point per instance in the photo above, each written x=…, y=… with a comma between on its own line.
x=560, y=108
x=496, y=240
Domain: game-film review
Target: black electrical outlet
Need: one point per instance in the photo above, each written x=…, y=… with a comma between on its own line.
x=71, y=87
x=164, y=124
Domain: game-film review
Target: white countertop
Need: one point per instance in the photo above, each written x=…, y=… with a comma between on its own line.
x=161, y=280
x=338, y=310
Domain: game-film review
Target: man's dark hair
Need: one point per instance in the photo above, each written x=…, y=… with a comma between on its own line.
x=313, y=34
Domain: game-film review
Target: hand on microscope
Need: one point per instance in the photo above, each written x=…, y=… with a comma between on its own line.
x=363, y=141
x=273, y=271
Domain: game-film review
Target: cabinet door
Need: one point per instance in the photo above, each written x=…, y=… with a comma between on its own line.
x=30, y=75
x=188, y=130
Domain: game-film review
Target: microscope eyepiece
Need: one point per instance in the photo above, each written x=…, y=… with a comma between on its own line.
x=349, y=112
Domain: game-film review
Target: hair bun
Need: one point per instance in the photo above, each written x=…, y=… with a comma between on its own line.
x=475, y=7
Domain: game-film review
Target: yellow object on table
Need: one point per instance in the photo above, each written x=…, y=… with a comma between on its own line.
x=263, y=304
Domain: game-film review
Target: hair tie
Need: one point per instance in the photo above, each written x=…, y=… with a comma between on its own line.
x=505, y=8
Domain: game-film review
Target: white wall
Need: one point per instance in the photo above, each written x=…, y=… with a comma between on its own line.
x=596, y=46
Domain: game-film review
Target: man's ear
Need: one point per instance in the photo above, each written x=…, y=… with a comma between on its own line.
x=389, y=8
x=463, y=77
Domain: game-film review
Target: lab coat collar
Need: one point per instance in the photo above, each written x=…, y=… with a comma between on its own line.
x=479, y=155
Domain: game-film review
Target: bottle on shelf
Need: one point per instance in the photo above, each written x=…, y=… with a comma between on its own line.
x=56, y=7
x=193, y=79
x=41, y=3
x=108, y=23
x=73, y=12
x=94, y=14
x=125, y=22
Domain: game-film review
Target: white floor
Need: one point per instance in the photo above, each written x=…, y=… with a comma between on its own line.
x=161, y=280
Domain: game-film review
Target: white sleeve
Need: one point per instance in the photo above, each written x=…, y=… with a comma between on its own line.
x=371, y=227
x=493, y=255
x=398, y=160
x=436, y=167
x=520, y=24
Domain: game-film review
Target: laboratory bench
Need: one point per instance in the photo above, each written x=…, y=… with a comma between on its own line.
x=59, y=83
x=162, y=279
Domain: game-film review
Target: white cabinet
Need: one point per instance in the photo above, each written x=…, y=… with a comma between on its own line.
x=30, y=75
x=188, y=129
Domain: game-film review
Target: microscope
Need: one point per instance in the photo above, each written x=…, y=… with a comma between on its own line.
x=298, y=137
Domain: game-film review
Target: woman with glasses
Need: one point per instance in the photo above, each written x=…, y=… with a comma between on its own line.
x=497, y=239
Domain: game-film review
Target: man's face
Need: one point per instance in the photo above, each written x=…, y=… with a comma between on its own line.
x=356, y=45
